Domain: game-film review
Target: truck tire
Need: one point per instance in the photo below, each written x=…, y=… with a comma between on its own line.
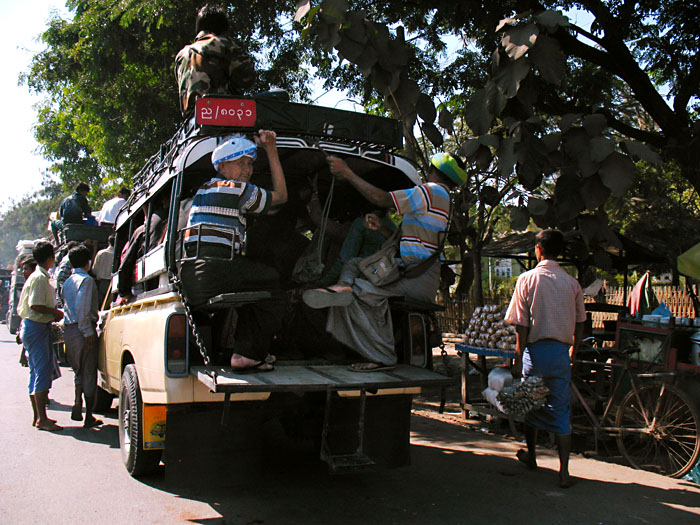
x=103, y=401
x=137, y=460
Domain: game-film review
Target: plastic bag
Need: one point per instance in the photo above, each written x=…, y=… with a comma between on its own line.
x=499, y=378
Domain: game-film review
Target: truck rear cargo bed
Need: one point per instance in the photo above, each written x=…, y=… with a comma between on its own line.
x=307, y=378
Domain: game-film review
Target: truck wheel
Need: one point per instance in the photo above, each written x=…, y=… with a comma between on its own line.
x=103, y=401
x=137, y=461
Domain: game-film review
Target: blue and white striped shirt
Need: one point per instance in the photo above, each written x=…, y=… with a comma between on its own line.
x=223, y=204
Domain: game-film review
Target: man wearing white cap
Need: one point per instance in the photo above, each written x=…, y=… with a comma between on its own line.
x=216, y=228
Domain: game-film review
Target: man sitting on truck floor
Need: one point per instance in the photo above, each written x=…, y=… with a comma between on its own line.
x=80, y=335
x=213, y=64
x=359, y=317
x=110, y=209
x=215, y=229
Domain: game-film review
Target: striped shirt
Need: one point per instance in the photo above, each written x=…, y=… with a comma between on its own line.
x=223, y=204
x=426, y=211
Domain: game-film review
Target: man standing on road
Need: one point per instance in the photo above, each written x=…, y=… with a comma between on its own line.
x=80, y=335
x=37, y=308
x=548, y=313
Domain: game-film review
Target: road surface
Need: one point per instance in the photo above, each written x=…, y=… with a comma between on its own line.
x=457, y=476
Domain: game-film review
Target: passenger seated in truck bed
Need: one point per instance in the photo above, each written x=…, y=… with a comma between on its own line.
x=216, y=226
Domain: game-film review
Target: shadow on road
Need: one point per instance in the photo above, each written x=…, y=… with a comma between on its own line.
x=455, y=477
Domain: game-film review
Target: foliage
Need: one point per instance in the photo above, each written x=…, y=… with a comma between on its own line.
x=27, y=219
x=560, y=107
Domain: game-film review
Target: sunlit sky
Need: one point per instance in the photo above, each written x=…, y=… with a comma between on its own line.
x=20, y=24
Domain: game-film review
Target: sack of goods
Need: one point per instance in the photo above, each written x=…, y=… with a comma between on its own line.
x=499, y=378
x=488, y=329
x=519, y=399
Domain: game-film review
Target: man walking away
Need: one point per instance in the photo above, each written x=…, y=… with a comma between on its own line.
x=37, y=308
x=548, y=313
x=80, y=335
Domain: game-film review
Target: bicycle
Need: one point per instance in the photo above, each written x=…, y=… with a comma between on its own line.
x=655, y=423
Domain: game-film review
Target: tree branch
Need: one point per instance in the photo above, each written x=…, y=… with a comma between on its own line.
x=687, y=88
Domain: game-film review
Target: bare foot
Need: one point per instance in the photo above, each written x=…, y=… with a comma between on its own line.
x=48, y=425
x=239, y=362
x=566, y=481
x=525, y=458
x=340, y=287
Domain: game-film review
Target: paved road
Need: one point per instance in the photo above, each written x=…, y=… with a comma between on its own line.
x=457, y=476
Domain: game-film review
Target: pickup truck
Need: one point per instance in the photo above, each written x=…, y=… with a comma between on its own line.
x=157, y=353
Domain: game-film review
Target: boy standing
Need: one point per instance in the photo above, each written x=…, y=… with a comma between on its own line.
x=37, y=308
x=80, y=335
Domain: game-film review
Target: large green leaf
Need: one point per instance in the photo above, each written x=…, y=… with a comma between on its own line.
x=568, y=120
x=548, y=59
x=517, y=40
x=426, y=108
x=594, y=192
x=595, y=124
x=617, y=173
x=510, y=74
x=490, y=195
x=641, y=151
x=469, y=148
x=537, y=206
x=519, y=217
x=366, y=61
x=334, y=10
x=506, y=157
x=576, y=142
x=433, y=134
x=483, y=158
x=601, y=147
x=446, y=120
x=552, y=20
x=482, y=106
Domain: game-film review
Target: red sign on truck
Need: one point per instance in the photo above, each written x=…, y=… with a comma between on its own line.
x=229, y=112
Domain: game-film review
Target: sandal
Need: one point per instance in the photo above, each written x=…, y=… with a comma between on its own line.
x=257, y=367
x=370, y=367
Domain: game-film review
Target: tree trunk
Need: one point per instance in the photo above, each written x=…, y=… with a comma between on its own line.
x=467, y=277
x=477, y=289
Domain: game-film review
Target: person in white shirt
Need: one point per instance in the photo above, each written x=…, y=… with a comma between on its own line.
x=110, y=209
x=102, y=269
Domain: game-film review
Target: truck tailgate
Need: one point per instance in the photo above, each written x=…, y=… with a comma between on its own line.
x=306, y=378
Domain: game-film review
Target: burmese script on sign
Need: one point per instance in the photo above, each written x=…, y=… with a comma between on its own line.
x=225, y=112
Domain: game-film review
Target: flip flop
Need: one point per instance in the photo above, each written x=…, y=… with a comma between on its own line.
x=326, y=297
x=370, y=367
x=258, y=367
x=92, y=423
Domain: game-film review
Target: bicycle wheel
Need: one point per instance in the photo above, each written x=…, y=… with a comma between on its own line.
x=660, y=429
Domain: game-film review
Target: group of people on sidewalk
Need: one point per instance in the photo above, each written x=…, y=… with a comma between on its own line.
x=37, y=308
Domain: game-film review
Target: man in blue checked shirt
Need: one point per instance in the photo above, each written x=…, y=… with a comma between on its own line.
x=80, y=335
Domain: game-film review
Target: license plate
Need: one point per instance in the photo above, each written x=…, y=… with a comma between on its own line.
x=229, y=112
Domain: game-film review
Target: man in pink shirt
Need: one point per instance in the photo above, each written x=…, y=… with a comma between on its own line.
x=548, y=313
